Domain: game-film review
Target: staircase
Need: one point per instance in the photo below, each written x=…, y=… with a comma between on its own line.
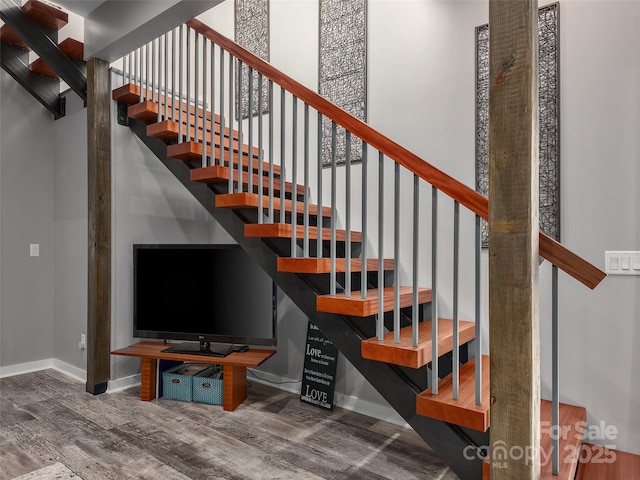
x=385, y=329
x=427, y=366
x=35, y=26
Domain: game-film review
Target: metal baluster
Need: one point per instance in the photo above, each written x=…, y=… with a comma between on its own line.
x=260, y=159
x=160, y=71
x=174, y=60
x=166, y=76
x=188, y=68
x=414, y=271
x=146, y=72
x=555, y=371
x=347, y=172
x=271, y=214
x=478, y=352
x=380, y=323
x=153, y=71
x=282, y=157
x=363, y=247
x=240, y=122
x=334, y=153
x=306, y=182
x=319, y=222
x=250, y=120
x=180, y=88
x=196, y=89
x=137, y=55
x=222, y=117
x=204, y=104
x=212, y=133
x=396, y=256
x=125, y=60
x=456, y=267
x=294, y=178
x=231, y=119
x=434, y=291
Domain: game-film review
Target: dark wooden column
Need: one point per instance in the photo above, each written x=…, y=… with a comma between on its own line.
x=99, y=276
x=513, y=239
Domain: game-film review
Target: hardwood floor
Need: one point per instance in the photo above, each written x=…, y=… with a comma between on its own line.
x=46, y=418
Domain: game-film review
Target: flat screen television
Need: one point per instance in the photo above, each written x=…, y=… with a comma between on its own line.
x=215, y=295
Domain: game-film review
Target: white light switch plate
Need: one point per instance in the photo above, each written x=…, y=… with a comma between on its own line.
x=622, y=263
x=34, y=250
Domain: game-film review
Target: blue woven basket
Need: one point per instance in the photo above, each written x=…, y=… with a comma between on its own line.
x=177, y=382
x=208, y=387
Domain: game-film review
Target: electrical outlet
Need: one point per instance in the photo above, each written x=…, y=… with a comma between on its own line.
x=82, y=344
x=34, y=250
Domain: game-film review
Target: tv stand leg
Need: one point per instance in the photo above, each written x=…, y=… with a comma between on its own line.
x=148, y=374
x=235, y=386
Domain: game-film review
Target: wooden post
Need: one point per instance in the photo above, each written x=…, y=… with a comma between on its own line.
x=513, y=240
x=99, y=255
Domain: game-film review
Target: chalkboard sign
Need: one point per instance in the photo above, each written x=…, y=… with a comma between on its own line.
x=319, y=375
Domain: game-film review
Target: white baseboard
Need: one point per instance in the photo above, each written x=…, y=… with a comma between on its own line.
x=49, y=363
x=28, y=367
x=69, y=370
x=355, y=404
x=123, y=383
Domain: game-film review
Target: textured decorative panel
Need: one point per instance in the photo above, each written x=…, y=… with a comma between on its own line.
x=549, y=121
x=252, y=32
x=343, y=69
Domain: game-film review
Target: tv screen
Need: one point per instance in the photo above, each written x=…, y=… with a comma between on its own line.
x=203, y=293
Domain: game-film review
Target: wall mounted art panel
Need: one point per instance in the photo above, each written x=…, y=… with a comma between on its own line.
x=342, y=75
x=549, y=119
x=252, y=32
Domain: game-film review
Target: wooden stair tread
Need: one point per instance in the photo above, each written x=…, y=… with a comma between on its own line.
x=193, y=150
x=46, y=14
x=405, y=354
x=357, y=307
x=464, y=411
x=285, y=230
x=168, y=130
x=572, y=419
x=70, y=47
x=323, y=265
x=623, y=465
x=220, y=174
x=248, y=200
x=8, y=35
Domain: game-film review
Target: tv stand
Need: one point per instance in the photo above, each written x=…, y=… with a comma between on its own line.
x=234, y=365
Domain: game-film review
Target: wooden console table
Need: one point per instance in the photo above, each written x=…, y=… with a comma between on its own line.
x=234, y=368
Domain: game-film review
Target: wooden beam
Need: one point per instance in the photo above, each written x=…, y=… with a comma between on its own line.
x=513, y=240
x=99, y=255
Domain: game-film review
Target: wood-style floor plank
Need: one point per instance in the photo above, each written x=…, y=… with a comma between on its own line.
x=271, y=435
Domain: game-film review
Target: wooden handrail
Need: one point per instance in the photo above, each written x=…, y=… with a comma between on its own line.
x=554, y=252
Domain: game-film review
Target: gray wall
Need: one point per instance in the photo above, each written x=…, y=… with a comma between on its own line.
x=70, y=270
x=27, y=216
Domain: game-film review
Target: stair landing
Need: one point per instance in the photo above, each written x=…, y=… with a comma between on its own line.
x=601, y=463
x=572, y=420
x=405, y=354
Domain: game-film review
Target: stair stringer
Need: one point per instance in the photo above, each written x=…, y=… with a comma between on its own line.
x=448, y=441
